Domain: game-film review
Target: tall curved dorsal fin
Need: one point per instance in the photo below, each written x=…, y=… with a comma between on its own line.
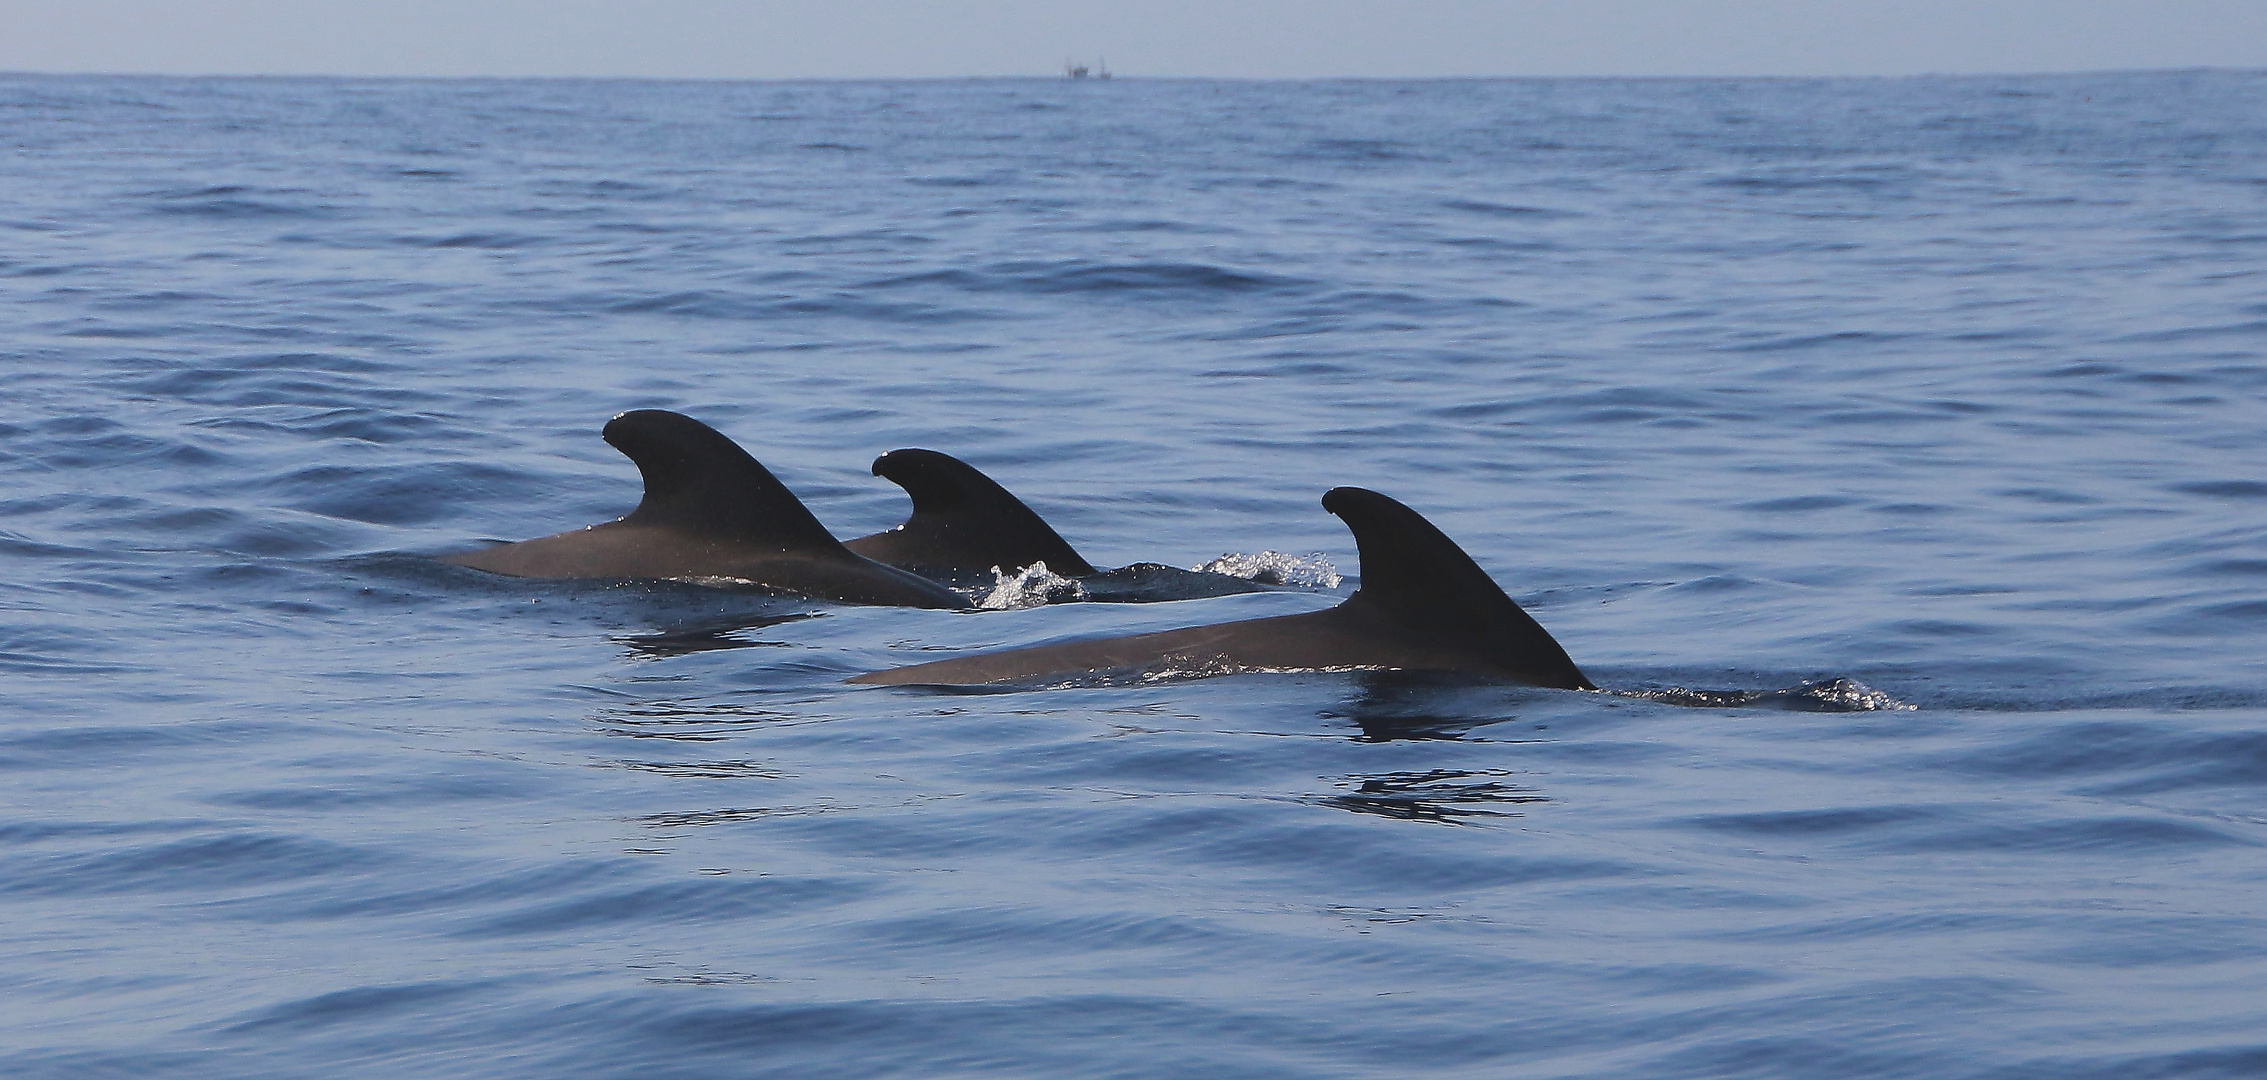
x=963, y=520
x=699, y=481
x=1417, y=577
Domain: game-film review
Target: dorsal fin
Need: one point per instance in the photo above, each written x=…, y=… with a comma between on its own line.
x=963, y=520
x=1414, y=575
x=699, y=481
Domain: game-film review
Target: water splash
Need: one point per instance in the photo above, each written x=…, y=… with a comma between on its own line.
x=1276, y=568
x=1823, y=695
x=1030, y=587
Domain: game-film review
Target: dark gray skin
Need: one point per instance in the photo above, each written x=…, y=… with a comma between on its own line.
x=963, y=523
x=965, y=526
x=1424, y=605
x=709, y=510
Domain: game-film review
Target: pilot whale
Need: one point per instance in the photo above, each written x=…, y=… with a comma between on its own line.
x=966, y=529
x=1423, y=605
x=964, y=523
x=709, y=510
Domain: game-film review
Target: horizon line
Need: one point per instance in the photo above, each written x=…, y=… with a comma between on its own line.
x=1122, y=77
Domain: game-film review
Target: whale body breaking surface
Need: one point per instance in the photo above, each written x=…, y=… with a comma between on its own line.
x=1423, y=605
x=710, y=510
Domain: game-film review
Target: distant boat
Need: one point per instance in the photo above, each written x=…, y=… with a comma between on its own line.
x=1075, y=70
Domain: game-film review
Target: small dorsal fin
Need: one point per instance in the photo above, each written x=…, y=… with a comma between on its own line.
x=963, y=520
x=1413, y=574
x=699, y=481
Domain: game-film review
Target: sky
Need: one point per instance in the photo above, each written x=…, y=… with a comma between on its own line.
x=794, y=39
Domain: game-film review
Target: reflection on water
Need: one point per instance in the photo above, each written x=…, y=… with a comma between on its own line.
x=1439, y=795
x=706, y=978
x=1394, y=705
x=683, y=641
x=705, y=770
x=696, y=818
x=688, y=721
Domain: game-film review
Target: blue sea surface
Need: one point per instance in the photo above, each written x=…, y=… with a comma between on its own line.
x=1892, y=451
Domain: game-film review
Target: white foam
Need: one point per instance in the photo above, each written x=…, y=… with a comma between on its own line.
x=1850, y=695
x=1276, y=568
x=1030, y=587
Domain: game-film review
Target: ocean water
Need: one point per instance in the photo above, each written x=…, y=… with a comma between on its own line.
x=1893, y=451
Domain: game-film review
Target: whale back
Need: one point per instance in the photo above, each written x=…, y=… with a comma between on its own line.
x=698, y=481
x=1424, y=605
x=963, y=522
x=1417, y=579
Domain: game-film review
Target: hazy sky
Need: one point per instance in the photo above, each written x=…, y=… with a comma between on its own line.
x=771, y=39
